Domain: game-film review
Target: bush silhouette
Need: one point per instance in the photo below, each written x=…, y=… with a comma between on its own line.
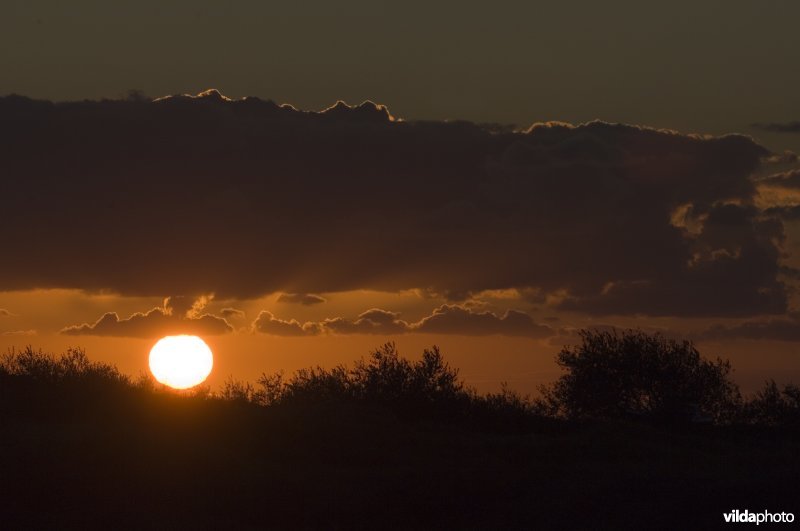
x=632, y=374
x=610, y=375
x=425, y=389
x=773, y=406
x=383, y=378
x=71, y=367
x=387, y=443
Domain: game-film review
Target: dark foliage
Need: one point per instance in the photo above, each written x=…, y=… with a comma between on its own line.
x=72, y=366
x=26, y=373
x=385, y=382
x=384, y=378
x=630, y=374
x=427, y=389
x=773, y=406
x=387, y=444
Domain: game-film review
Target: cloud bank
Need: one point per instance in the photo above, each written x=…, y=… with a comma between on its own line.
x=778, y=329
x=446, y=319
x=200, y=194
x=306, y=299
x=179, y=315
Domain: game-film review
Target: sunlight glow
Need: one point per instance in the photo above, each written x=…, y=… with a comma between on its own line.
x=181, y=362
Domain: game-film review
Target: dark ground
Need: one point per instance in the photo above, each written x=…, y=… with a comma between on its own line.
x=127, y=458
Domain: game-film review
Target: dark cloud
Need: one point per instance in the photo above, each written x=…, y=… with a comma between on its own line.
x=178, y=306
x=5, y=313
x=243, y=198
x=778, y=127
x=232, y=313
x=181, y=306
x=786, y=213
x=454, y=319
x=374, y=321
x=175, y=317
x=367, y=112
x=781, y=329
x=787, y=179
x=306, y=299
x=446, y=319
x=735, y=251
x=779, y=194
x=267, y=323
x=786, y=157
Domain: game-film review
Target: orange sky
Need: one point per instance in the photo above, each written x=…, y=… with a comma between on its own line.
x=484, y=361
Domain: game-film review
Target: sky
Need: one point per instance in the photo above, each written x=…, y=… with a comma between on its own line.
x=498, y=178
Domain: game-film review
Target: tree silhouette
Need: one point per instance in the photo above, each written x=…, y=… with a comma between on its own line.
x=632, y=374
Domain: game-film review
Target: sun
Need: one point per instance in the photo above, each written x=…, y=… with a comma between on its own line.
x=181, y=362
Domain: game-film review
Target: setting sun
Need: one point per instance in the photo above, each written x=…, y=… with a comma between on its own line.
x=181, y=362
